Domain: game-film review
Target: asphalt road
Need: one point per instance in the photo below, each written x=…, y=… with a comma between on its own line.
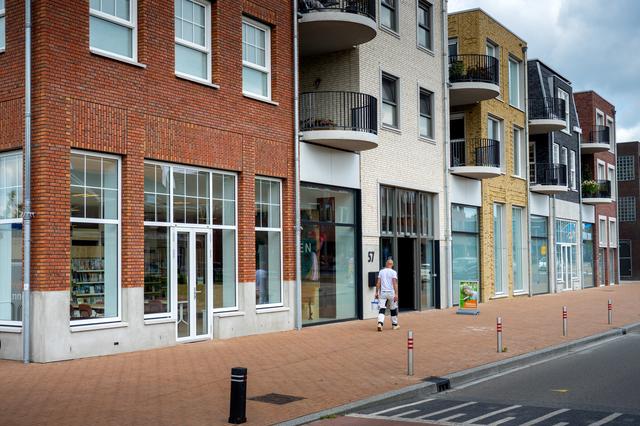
x=596, y=386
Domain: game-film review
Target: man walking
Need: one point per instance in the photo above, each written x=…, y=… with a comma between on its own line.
x=387, y=290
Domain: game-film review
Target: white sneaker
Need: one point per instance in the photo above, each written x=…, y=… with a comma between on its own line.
x=395, y=327
x=379, y=327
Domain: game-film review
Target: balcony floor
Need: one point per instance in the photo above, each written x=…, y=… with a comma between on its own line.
x=327, y=31
x=541, y=126
x=342, y=139
x=476, y=172
x=465, y=93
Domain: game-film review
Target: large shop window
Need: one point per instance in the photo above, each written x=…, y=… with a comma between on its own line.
x=268, y=243
x=566, y=254
x=2, y=26
x=518, y=249
x=256, y=59
x=112, y=27
x=328, y=251
x=11, y=238
x=193, y=39
x=465, y=247
x=499, y=249
x=588, y=277
x=539, y=255
x=95, y=238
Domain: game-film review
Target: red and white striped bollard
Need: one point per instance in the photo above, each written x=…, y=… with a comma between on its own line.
x=499, y=332
x=564, y=321
x=610, y=311
x=410, y=353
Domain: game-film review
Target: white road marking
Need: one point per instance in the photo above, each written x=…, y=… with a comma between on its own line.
x=406, y=413
x=455, y=416
x=435, y=413
x=401, y=406
x=606, y=419
x=545, y=417
x=561, y=424
x=493, y=413
x=499, y=422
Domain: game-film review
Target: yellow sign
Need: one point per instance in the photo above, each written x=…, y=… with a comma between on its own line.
x=543, y=250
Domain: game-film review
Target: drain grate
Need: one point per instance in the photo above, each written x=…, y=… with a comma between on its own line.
x=442, y=384
x=276, y=398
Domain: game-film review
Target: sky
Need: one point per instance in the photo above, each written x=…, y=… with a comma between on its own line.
x=595, y=46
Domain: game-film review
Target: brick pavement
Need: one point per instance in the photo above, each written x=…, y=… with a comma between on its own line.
x=327, y=365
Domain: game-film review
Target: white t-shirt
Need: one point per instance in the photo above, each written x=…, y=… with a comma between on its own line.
x=387, y=275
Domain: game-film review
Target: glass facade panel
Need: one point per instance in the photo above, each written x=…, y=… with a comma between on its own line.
x=588, y=278
x=517, y=249
x=224, y=268
x=539, y=255
x=268, y=243
x=11, y=271
x=498, y=247
x=157, y=286
x=465, y=247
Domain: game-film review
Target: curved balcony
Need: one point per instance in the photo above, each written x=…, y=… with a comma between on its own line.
x=475, y=158
x=596, y=192
x=548, y=178
x=596, y=139
x=546, y=115
x=332, y=25
x=343, y=120
x=473, y=78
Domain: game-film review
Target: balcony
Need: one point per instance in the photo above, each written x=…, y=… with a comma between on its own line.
x=342, y=120
x=332, y=25
x=546, y=115
x=475, y=158
x=596, y=192
x=548, y=178
x=596, y=139
x=473, y=78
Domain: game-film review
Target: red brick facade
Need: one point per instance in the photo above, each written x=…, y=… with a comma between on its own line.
x=89, y=102
x=586, y=105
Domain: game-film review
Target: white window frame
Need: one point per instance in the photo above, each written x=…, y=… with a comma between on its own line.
x=268, y=229
x=626, y=168
x=496, y=49
x=267, y=59
x=396, y=80
x=564, y=95
x=613, y=239
x=599, y=118
x=555, y=153
x=601, y=170
x=3, y=40
x=499, y=137
x=396, y=20
x=572, y=170
x=519, y=82
x=611, y=177
x=419, y=5
x=602, y=236
x=132, y=24
x=118, y=318
x=207, y=43
x=503, y=241
x=564, y=159
x=610, y=123
x=431, y=136
x=10, y=222
x=518, y=152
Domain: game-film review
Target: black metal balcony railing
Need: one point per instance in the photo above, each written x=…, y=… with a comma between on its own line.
x=476, y=68
x=338, y=111
x=485, y=152
x=548, y=174
x=547, y=109
x=359, y=7
x=601, y=189
x=598, y=134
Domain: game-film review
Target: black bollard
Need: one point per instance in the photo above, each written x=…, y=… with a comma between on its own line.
x=238, y=403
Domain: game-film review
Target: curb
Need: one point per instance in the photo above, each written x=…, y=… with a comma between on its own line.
x=472, y=374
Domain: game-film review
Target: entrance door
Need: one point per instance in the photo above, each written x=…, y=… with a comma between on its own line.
x=427, y=275
x=406, y=273
x=192, y=278
x=566, y=266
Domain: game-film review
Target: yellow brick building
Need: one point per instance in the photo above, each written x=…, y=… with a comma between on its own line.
x=488, y=134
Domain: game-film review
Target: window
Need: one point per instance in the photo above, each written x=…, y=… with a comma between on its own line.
x=426, y=115
x=588, y=278
x=572, y=170
x=563, y=160
x=465, y=247
x=601, y=171
x=556, y=153
x=113, y=28
x=492, y=49
x=539, y=255
x=95, y=238
x=453, y=47
x=389, y=100
x=193, y=39
x=611, y=177
x=11, y=238
x=627, y=209
x=424, y=25
x=613, y=233
x=532, y=162
x=626, y=168
x=494, y=131
x=256, y=59
x=268, y=243
x=602, y=231
x=499, y=253
x=389, y=14
x=514, y=83
x=625, y=258
x=518, y=248
x=612, y=133
x=2, y=26
x=565, y=97
x=519, y=163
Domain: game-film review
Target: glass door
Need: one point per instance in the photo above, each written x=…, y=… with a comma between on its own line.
x=427, y=275
x=192, y=276
x=566, y=267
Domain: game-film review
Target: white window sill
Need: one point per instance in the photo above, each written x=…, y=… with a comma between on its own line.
x=259, y=98
x=390, y=129
x=499, y=296
x=520, y=293
x=260, y=310
x=102, y=53
x=426, y=139
x=9, y=329
x=152, y=321
x=2, y=50
x=228, y=314
x=426, y=50
x=389, y=31
x=518, y=177
x=196, y=80
x=103, y=326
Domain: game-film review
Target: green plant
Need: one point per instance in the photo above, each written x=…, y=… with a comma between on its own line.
x=456, y=70
x=590, y=188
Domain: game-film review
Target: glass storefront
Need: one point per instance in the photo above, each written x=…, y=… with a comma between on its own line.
x=465, y=247
x=588, y=278
x=601, y=271
x=612, y=266
x=328, y=254
x=566, y=254
x=539, y=255
x=517, y=230
x=268, y=243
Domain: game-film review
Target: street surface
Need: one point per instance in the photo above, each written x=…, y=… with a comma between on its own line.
x=596, y=386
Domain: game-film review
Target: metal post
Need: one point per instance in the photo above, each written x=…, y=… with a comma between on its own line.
x=296, y=141
x=499, y=332
x=610, y=311
x=238, y=401
x=410, y=353
x=564, y=321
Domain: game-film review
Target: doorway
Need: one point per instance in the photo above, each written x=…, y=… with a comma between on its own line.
x=566, y=266
x=192, y=278
x=406, y=274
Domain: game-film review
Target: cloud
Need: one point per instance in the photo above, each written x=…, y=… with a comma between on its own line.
x=593, y=46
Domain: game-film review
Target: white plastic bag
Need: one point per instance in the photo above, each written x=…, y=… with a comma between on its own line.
x=375, y=305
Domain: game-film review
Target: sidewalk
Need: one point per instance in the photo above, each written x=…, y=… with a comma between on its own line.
x=327, y=365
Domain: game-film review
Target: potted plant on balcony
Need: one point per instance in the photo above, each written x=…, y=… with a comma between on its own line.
x=456, y=70
x=590, y=188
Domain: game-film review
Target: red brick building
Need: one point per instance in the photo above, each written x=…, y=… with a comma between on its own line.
x=162, y=173
x=598, y=161
x=628, y=208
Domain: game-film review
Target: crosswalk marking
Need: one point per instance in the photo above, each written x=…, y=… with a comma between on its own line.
x=455, y=416
x=493, y=413
x=401, y=406
x=561, y=424
x=435, y=413
x=606, y=419
x=545, y=417
x=406, y=413
x=499, y=422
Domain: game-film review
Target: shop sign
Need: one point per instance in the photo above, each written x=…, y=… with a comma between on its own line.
x=469, y=297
